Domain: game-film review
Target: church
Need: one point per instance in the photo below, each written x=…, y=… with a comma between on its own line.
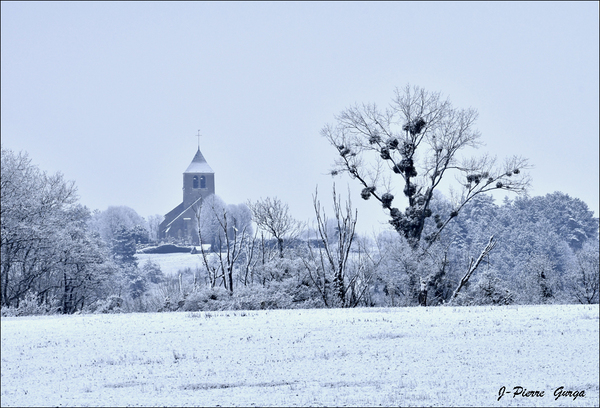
x=180, y=223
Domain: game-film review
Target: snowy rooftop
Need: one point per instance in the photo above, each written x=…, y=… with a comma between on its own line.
x=199, y=164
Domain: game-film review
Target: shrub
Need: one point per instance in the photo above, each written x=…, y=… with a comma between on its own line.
x=112, y=304
x=28, y=306
x=153, y=272
x=288, y=293
x=207, y=299
x=487, y=290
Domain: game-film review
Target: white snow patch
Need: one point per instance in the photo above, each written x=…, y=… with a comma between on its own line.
x=171, y=264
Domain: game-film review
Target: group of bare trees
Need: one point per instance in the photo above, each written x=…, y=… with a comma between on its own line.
x=231, y=251
x=282, y=250
x=228, y=229
x=338, y=265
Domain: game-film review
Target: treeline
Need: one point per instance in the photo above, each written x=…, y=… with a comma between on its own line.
x=58, y=257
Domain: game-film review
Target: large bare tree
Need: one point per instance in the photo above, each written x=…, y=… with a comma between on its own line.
x=416, y=142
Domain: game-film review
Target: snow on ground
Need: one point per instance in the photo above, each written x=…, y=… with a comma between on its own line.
x=171, y=264
x=448, y=356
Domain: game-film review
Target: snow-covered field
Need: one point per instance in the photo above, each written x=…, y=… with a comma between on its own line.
x=171, y=264
x=450, y=356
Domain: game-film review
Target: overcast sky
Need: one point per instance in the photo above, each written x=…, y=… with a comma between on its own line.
x=113, y=94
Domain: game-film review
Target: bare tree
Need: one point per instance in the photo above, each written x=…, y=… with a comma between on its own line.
x=229, y=240
x=249, y=261
x=473, y=264
x=340, y=280
x=584, y=280
x=417, y=139
x=154, y=226
x=273, y=217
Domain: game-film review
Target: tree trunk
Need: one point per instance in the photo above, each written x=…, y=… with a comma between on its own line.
x=423, y=293
x=472, y=266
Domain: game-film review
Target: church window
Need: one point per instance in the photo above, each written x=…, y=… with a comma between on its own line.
x=195, y=182
x=202, y=182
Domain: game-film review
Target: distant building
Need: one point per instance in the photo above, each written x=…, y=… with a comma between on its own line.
x=198, y=183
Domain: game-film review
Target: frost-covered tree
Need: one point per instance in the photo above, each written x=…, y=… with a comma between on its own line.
x=230, y=229
x=273, y=216
x=488, y=289
x=114, y=218
x=123, y=246
x=153, y=272
x=464, y=241
x=532, y=257
x=140, y=234
x=570, y=218
x=47, y=248
x=83, y=270
x=206, y=221
x=32, y=204
x=136, y=282
x=154, y=226
x=396, y=273
x=241, y=218
x=334, y=266
x=416, y=142
x=583, y=281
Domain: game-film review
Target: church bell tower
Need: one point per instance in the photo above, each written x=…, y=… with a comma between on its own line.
x=198, y=181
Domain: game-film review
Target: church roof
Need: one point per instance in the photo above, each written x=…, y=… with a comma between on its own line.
x=199, y=164
x=179, y=212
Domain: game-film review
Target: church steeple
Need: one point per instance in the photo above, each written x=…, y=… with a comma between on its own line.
x=198, y=180
x=199, y=164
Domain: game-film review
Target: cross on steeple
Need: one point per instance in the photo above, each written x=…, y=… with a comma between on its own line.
x=198, y=136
